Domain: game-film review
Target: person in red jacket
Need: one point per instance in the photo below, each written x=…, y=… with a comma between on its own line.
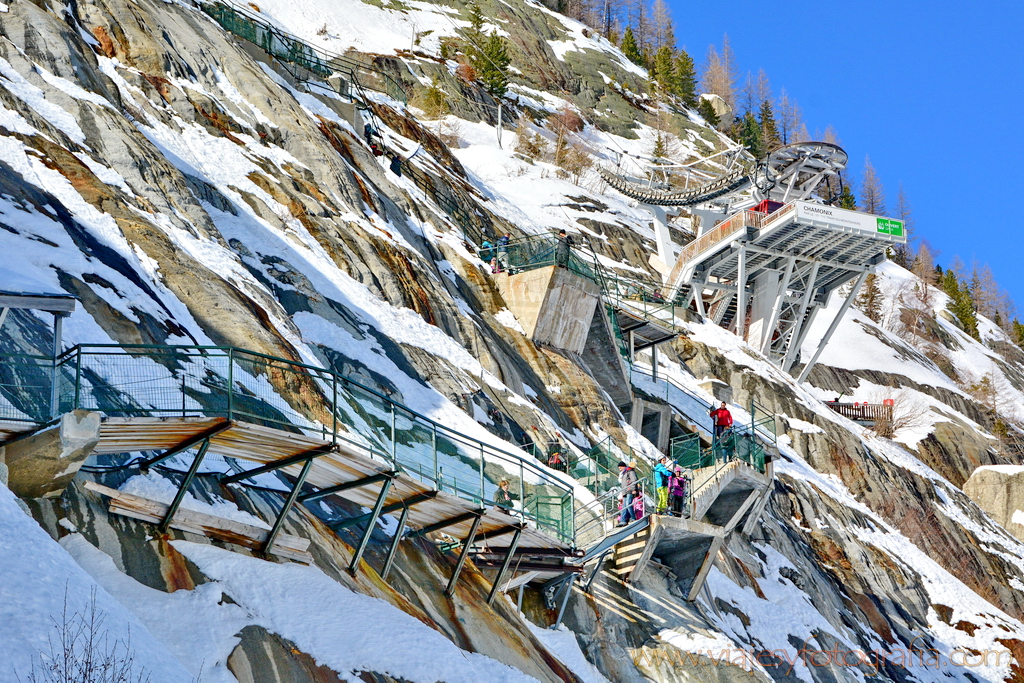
x=722, y=419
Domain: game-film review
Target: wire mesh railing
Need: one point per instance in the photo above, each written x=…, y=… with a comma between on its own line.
x=289, y=48
x=530, y=253
x=203, y=381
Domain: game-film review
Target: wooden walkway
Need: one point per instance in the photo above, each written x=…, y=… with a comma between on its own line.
x=333, y=465
x=318, y=468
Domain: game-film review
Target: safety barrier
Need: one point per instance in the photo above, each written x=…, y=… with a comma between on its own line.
x=289, y=48
x=213, y=381
x=862, y=412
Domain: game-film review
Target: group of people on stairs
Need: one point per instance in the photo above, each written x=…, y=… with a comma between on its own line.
x=670, y=481
x=670, y=485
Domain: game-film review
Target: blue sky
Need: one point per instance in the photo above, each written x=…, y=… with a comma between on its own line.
x=932, y=92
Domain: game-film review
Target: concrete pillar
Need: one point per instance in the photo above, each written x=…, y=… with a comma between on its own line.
x=41, y=465
x=636, y=415
x=664, y=428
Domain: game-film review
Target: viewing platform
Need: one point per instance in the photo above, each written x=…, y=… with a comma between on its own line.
x=769, y=270
x=865, y=414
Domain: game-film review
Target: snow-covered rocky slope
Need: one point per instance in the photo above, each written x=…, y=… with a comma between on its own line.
x=186, y=190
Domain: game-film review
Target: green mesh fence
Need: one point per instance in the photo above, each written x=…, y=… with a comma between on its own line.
x=289, y=48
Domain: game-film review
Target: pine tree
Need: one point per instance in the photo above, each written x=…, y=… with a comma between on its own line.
x=1017, y=332
x=708, y=113
x=756, y=90
x=960, y=304
x=769, y=130
x=476, y=19
x=660, y=149
x=750, y=135
x=638, y=16
x=492, y=65
x=684, y=80
x=664, y=68
x=475, y=38
x=847, y=200
x=872, y=195
x=630, y=48
x=869, y=301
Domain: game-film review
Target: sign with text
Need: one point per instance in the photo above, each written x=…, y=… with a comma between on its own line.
x=849, y=219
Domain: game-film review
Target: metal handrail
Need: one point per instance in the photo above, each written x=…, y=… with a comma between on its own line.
x=290, y=48
x=249, y=386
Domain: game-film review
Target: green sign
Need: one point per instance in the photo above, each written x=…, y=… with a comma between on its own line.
x=890, y=227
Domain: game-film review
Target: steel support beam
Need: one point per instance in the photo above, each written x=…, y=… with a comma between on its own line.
x=803, y=335
x=565, y=600
x=188, y=443
x=331, y=490
x=393, y=550
x=58, y=326
x=799, y=320
x=597, y=570
x=504, y=566
x=497, y=532
x=388, y=509
x=741, y=294
x=769, y=330
x=353, y=566
x=185, y=483
x=437, y=526
x=308, y=455
x=450, y=589
x=832, y=328
x=288, y=503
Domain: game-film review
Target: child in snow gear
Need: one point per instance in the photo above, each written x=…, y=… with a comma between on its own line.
x=677, y=492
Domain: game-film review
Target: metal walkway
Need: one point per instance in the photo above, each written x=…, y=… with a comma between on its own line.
x=778, y=269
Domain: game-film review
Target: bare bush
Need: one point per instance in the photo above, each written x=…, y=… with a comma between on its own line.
x=529, y=143
x=433, y=101
x=910, y=411
x=80, y=652
x=567, y=119
x=574, y=160
x=450, y=131
x=466, y=72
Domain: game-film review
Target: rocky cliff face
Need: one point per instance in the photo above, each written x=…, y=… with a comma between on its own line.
x=187, y=190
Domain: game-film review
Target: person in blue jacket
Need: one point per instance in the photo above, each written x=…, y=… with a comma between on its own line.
x=661, y=477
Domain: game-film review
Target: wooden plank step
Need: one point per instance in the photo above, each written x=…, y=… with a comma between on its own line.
x=192, y=521
x=630, y=551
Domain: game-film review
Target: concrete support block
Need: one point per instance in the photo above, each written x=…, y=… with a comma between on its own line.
x=664, y=428
x=41, y=465
x=554, y=305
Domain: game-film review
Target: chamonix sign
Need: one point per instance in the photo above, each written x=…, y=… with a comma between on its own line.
x=849, y=219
